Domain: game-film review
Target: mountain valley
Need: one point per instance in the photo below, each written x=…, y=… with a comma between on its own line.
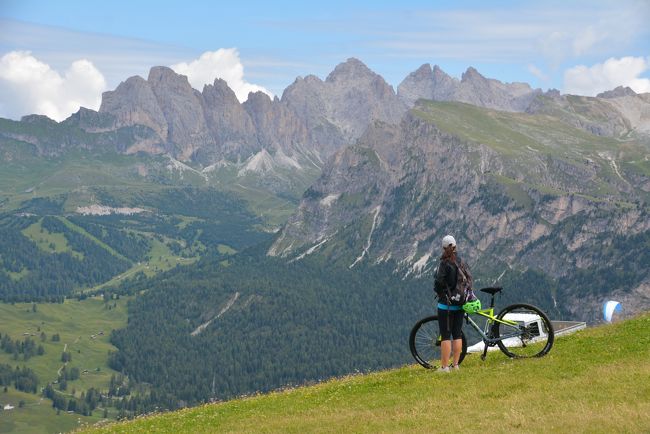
x=287, y=240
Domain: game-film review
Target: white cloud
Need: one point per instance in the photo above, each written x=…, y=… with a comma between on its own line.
x=626, y=71
x=537, y=72
x=223, y=63
x=29, y=86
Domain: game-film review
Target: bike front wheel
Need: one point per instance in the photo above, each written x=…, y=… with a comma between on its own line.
x=424, y=342
x=531, y=333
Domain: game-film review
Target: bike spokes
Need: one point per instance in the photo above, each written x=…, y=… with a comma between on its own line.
x=424, y=342
x=531, y=335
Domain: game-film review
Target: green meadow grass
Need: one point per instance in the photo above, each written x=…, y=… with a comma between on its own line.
x=94, y=239
x=161, y=259
x=37, y=416
x=75, y=322
x=49, y=242
x=597, y=380
x=515, y=133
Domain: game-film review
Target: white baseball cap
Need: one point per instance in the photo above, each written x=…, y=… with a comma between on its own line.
x=447, y=241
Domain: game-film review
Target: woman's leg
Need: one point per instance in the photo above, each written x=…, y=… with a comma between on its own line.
x=445, y=352
x=457, y=349
x=456, y=320
x=444, y=322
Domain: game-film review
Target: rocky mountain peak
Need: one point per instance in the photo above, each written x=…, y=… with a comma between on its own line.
x=37, y=119
x=440, y=75
x=221, y=92
x=418, y=84
x=258, y=99
x=351, y=69
x=228, y=123
x=133, y=102
x=182, y=109
x=472, y=75
x=278, y=127
x=620, y=91
x=91, y=121
x=423, y=72
x=164, y=74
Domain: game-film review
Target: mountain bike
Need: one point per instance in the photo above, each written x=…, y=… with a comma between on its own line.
x=519, y=330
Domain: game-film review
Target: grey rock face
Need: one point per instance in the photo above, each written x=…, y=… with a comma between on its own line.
x=306, y=98
x=483, y=92
x=418, y=84
x=339, y=109
x=319, y=117
x=315, y=117
x=182, y=108
x=230, y=125
x=444, y=86
x=357, y=96
x=595, y=115
x=133, y=102
x=278, y=127
x=473, y=89
x=617, y=93
x=92, y=121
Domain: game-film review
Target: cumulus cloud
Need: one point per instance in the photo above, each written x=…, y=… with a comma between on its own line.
x=626, y=71
x=30, y=86
x=223, y=63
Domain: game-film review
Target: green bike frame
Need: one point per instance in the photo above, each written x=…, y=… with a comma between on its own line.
x=489, y=338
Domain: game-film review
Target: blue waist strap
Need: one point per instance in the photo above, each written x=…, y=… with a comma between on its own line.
x=447, y=307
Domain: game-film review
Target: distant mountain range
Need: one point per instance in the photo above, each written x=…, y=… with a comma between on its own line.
x=525, y=179
x=285, y=240
x=315, y=118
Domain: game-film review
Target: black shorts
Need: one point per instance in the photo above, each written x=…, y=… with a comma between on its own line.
x=451, y=323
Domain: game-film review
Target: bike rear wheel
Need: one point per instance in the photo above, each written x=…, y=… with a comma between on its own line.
x=425, y=344
x=533, y=336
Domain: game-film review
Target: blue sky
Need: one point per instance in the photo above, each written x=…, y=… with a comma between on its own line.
x=579, y=47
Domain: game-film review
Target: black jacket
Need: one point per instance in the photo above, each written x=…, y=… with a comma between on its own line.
x=446, y=277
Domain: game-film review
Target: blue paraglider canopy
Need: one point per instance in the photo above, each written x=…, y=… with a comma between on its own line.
x=609, y=308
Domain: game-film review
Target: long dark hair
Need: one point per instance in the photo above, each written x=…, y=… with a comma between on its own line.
x=449, y=254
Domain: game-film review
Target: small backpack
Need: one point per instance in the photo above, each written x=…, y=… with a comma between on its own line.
x=462, y=293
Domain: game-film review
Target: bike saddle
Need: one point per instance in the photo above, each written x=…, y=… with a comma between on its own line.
x=491, y=290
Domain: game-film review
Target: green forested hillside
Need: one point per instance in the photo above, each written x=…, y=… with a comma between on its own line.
x=582, y=385
x=230, y=326
x=79, y=330
x=224, y=327
x=46, y=253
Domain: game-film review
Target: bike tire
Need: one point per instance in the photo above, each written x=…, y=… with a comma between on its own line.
x=422, y=342
x=533, y=340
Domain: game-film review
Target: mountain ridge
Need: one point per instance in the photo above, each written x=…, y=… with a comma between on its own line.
x=510, y=197
x=334, y=111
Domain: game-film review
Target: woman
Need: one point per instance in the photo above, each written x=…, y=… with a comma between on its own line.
x=450, y=314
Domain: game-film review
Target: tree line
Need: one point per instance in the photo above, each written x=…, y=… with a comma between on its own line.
x=27, y=347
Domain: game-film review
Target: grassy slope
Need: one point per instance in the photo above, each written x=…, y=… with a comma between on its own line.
x=512, y=133
x=594, y=381
x=74, y=321
x=37, y=416
x=25, y=176
x=522, y=136
x=49, y=242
